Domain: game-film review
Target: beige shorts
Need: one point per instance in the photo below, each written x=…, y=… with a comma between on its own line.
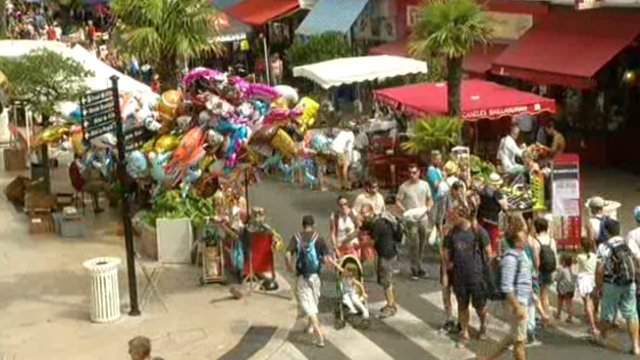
x=518, y=328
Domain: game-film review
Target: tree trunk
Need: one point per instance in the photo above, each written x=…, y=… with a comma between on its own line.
x=168, y=71
x=3, y=19
x=454, y=84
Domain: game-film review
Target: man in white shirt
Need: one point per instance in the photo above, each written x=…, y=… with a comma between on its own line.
x=633, y=237
x=509, y=150
x=416, y=194
x=370, y=196
x=342, y=146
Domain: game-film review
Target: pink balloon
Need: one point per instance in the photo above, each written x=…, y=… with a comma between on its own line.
x=199, y=73
x=263, y=91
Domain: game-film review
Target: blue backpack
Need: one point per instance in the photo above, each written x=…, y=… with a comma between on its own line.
x=308, y=261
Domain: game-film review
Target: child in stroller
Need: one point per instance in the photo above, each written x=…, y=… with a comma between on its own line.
x=350, y=291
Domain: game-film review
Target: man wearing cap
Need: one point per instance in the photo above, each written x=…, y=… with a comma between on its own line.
x=617, y=293
x=509, y=150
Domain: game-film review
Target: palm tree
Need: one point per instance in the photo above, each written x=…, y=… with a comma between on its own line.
x=166, y=33
x=449, y=29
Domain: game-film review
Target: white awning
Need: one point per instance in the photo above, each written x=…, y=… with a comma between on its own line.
x=101, y=71
x=352, y=70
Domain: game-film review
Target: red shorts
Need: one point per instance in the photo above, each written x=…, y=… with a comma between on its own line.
x=494, y=235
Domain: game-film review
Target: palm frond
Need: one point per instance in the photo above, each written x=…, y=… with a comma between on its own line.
x=449, y=28
x=435, y=133
x=157, y=31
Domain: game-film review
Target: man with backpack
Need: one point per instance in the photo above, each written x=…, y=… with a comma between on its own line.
x=306, y=253
x=516, y=287
x=615, y=282
x=385, y=235
x=466, y=247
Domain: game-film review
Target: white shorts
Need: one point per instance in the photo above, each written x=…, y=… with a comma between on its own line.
x=308, y=294
x=586, y=284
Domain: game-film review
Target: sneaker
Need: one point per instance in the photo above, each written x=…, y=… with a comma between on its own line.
x=318, y=342
x=532, y=340
x=456, y=328
x=447, y=326
x=422, y=274
x=415, y=275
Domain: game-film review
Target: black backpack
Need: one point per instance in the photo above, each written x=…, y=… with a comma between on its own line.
x=465, y=255
x=548, y=262
x=397, y=227
x=620, y=266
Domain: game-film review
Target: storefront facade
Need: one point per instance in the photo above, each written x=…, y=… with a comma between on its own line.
x=585, y=59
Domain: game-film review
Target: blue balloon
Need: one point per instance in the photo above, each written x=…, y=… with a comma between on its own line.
x=261, y=107
x=137, y=165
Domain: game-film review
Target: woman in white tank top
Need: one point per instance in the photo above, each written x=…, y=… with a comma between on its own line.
x=343, y=228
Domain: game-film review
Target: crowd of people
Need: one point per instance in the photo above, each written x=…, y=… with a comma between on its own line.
x=485, y=259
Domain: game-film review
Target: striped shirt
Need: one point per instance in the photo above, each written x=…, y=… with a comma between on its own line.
x=516, y=276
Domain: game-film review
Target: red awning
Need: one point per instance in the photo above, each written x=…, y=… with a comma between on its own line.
x=568, y=47
x=478, y=61
x=480, y=100
x=398, y=48
x=260, y=12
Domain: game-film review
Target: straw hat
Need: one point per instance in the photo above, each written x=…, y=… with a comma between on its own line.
x=451, y=168
x=494, y=179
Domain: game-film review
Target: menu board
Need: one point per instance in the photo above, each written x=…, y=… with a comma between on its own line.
x=99, y=113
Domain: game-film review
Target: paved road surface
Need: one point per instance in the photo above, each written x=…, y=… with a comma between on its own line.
x=412, y=333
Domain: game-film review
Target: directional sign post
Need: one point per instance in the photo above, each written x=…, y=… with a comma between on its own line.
x=101, y=115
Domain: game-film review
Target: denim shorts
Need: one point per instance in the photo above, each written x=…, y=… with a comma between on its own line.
x=618, y=298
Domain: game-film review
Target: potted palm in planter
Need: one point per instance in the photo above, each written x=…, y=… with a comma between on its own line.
x=435, y=133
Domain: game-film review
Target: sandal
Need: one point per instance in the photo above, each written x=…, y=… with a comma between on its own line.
x=388, y=312
x=462, y=341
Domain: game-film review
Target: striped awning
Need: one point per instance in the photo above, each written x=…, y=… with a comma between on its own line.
x=331, y=15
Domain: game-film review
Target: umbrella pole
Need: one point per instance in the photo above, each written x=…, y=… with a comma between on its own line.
x=267, y=63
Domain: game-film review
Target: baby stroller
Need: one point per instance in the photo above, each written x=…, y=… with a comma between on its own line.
x=349, y=265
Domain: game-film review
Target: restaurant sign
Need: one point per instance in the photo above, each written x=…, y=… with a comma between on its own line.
x=500, y=112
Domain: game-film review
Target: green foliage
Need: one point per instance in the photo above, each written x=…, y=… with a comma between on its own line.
x=481, y=168
x=171, y=205
x=449, y=28
x=44, y=78
x=165, y=33
x=435, y=133
x=328, y=46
